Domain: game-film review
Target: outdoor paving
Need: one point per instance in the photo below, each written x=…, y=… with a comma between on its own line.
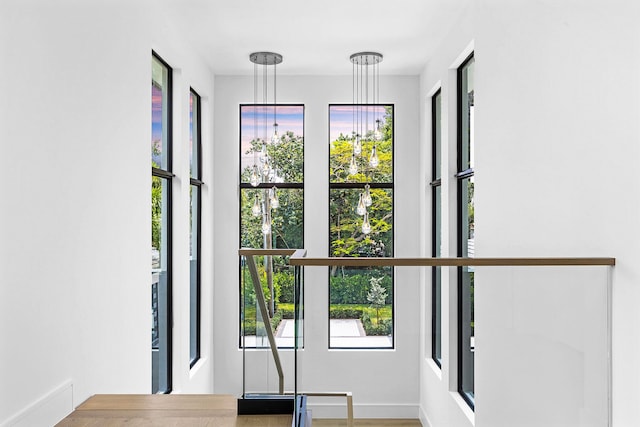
x=344, y=333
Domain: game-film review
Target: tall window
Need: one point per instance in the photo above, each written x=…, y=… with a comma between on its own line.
x=161, y=177
x=465, y=231
x=436, y=203
x=194, y=230
x=271, y=210
x=361, y=225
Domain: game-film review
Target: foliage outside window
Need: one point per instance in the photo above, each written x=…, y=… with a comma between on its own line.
x=282, y=158
x=436, y=203
x=161, y=225
x=360, y=299
x=195, y=224
x=466, y=227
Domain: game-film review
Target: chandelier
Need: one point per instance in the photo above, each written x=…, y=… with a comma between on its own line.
x=366, y=81
x=263, y=171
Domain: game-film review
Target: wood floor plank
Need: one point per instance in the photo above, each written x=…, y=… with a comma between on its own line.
x=159, y=402
x=366, y=422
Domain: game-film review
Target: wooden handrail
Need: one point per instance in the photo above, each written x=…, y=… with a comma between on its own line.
x=449, y=262
x=264, y=252
x=298, y=257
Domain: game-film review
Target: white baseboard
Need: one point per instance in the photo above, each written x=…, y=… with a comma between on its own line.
x=45, y=411
x=424, y=419
x=366, y=410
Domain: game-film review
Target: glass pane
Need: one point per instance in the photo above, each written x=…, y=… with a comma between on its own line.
x=194, y=134
x=287, y=220
x=160, y=96
x=277, y=279
x=160, y=291
x=466, y=283
x=436, y=342
x=436, y=325
x=194, y=297
x=437, y=221
x=361, y=300
x=344, y=143
x=467, y=119
x=437, y=134
x=280, y=155
x=361, y=307
x=345, y=224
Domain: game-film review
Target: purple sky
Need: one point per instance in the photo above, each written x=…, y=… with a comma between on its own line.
x=341, y=118
x=288, y=117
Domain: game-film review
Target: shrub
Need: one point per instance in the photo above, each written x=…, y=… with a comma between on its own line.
x=285, y=313
x=345, y=313
x=353, y=289
x=283, y=283
x=382, y=328
x=276, y=319
x=249, y=327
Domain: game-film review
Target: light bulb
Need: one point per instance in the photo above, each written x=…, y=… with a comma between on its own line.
x=266, y=167
x=366, y=197
x=266, y=226
x=353, y=166
x=263, y=151
x=366, y=227
x=275, y=138
x=275, y=203
x=256, y=210
x=377, y=134
x=255, y=178
x=361, y=209
x=357, y=145
x=373, y=160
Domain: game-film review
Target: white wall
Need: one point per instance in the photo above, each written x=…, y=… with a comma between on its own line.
x=75, y=226
x=440, y=403
x=384, y=382
x=556, y=146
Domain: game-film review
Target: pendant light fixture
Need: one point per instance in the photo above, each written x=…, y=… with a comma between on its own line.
x=263, y=171
x=365, y=94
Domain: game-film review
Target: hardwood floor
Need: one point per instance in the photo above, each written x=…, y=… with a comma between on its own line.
x=166, y=410
x=368, y=423
x=176, y=410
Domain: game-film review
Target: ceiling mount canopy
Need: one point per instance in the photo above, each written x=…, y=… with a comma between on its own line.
x=265, y=58
x=366, y=58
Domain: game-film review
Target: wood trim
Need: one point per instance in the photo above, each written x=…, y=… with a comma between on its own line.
x=298, y=257
x=266, y=252
x=451, y=262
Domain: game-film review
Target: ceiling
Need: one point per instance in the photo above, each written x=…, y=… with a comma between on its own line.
x=315, y=37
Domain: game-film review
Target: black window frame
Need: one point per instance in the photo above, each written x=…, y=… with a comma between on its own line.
x=464, y=171
x=359, y=186
x=266, y=186
x=168, y=176
x=436, y=182
x=198, y=183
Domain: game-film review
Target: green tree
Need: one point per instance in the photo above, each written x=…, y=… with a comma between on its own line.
x=156, y=201
x=347, y=238
x=287, y=157
x=377, y=296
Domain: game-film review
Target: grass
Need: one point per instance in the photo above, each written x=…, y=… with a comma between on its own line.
x=385, y=312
